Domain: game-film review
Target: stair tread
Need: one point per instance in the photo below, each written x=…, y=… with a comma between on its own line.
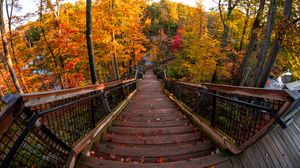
x=158, y=139
x=152, y=131
x=205, y=161
x=151, y=124
x=153, y=151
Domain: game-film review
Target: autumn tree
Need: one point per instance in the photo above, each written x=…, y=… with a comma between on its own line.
x=6, y=51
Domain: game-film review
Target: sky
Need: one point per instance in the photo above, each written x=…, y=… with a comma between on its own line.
x=30, y=5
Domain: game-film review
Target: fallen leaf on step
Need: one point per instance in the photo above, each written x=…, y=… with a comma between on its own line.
x=128, y=159
x=113, y=156
x=109, y=139
x=161, y=160
x=92, y=153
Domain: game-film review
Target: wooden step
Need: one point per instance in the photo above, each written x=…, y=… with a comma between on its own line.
x=151, y=124
x=150, y=118
x=153, y=151
x=174, y=158
x=159, y=139
x=206, y=161
x=152, y=131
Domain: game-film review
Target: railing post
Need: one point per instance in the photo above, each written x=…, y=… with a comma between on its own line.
x=213, y=115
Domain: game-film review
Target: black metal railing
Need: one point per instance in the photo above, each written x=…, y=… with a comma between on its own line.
x=238, y=117
x=43, y=135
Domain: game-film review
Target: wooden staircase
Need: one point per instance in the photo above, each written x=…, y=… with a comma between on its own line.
x=152, y=132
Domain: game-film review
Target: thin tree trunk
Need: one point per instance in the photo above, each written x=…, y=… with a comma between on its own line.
x=261, y=58
x=9, y=16
x=115, y=59
x=6, y=82
x=245, y=26
x=6, y=52
x=116, y=65
x=252, y=42
x=50, y=49
x=89, y=41
x=277, y=42
x=1, y=93
x=230, y=8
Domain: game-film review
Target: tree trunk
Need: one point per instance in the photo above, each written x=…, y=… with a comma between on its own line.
x=245, y=25
x=9, y=16
x=277, y=42
x=6, y=51
x=6, y=82
x=225, y=36
x=252, y=42
x=50, y=49
x=230, y=8
x=89, y=40
x=1, y=93
x=261, y=58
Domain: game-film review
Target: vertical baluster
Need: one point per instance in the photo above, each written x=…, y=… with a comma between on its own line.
x=213, y=115
x=93, y=113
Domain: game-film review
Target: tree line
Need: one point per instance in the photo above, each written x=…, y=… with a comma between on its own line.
x=240, y=42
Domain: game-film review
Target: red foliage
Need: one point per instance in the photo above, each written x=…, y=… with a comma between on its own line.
x=176, y=43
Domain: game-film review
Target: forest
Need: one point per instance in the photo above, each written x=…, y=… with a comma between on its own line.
x=240, y=42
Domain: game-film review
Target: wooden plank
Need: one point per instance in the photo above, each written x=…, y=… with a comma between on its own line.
x=148, y=124
x=206, y=161
x=236, y=161
x=277, y=94
x=226, y=164
x=160, y=139
x=269, y=151
x=283, y=149
x=265, y=155
x=151, y=118
x=246, y=160
x=158, y=114
x=276, y=151
x=289, y=135
x=290, y=147
x=44, y=97
x=257, y=159
x=174, y=158
x=152, y=151
x=152, y=131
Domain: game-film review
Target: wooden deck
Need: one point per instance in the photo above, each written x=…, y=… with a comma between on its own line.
x=279, y=149
x=153, y=133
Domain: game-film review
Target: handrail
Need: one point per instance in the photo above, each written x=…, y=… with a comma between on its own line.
x=240, y=115
x=44, y=134
x=44, y=97
x=39, y=95
x=278, y=94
